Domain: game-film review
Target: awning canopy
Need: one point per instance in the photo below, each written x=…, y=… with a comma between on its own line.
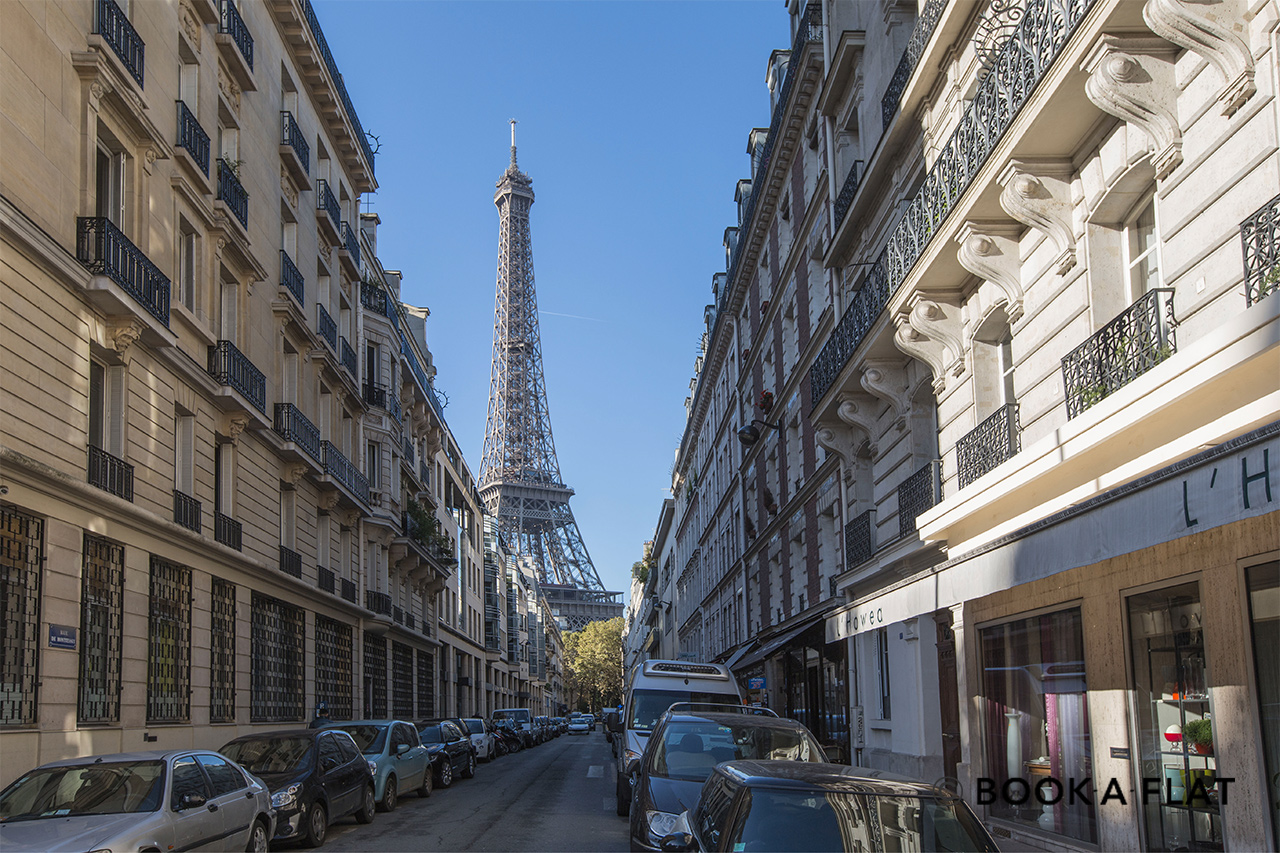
x=770, y=646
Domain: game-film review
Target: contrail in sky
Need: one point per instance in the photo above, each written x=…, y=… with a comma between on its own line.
x=571, y=316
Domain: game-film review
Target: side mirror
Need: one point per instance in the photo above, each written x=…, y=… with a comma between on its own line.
x=615, y=725
x=191, y=801
x=676, y=842
x=402, y=749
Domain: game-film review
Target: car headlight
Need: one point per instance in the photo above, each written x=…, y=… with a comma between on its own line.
x=661, y=824
x=373, y=767
x=285, y=797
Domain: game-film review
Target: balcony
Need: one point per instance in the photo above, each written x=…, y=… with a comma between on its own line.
x=859, y=539
x=375, y=394
x=349, y=250
x=373, y=298
x=1260, y=240
x=378, y=602
x=104, y=251
x=235, y=42
x=295, y=151
x=290, y=562
x=393, y=407
x=313, y=23
x=232, y=369
x=231, y=192
x=397, y=615
x=110, y=474
x=326, y=328
x=186, y=511
x=114, y=27
x=326, y=580
x=328, y=213
x=406, y=449
x=293, y=426
x=291, y=279
x=1137, y=340
x=226, y=530
x=916, y=494
x=847, y=192
x=192, y=138
x=340, y=469
x=863, y=312
x=995, y=440
x=348, y=590
x=347, y=356
x=920, y=34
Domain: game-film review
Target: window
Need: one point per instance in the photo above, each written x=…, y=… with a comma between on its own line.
x=375, y=676
x=188, y=264
x=169, y=643
x=188, y=79
x=372, y=363
x=223, y=777
x=1142, y=250
x=402, y=681
x=372, y=468
x=1006, y=369
x=229, y=308
x=21, y=556
x=188, y=780
x=333, y=666
x=279, y=647
x=184, y=451
x=101, y=612
x=224, y=465
x=106, y=407
x=109, y=186
x=222, y=653
x=882, y=667
x=288, y=518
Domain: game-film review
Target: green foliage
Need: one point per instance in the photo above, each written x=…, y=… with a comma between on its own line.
x=593, y=662
x=1198, y=732
x=640, y=571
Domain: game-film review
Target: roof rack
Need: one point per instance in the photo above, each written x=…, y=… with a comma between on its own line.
x=671, y=667
x=720, y=707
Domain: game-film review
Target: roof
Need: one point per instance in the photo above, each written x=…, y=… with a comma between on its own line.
x=339, y=724
x=810, y=775
x=307, y=733
x=735, y=718
x=122, y=757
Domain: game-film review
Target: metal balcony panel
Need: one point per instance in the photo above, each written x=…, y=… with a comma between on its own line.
x=113, y=25
x=293, y=426
x=290, y=562
x=988, y=445
x=917, y=493
x=110, y=473
x=235, y=43
x=326, y=328
x=231, y=192
x=295, y=152
x=232, y=369
x=1260, y=242
x=104, y=250
x=349, y=249
x=1142, y=336
x=291, y=279
x=328, y=212
x=192, y=138
x=186, y=511
x=227, y=530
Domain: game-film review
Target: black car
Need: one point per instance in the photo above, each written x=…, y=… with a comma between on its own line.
x=685, y=747
x=315, y=776
x=802, y=806
x=450, y=748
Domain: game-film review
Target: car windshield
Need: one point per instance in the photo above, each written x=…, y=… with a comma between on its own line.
x=475, y=727
x=431, y=734
x=519, y=715
x=689, y=750
x=648, y=705
x=369, y=738
x=269, y=754
x=786, y=821
x=84, y=789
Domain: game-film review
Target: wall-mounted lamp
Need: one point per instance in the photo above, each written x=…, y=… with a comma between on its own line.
x=750, y=434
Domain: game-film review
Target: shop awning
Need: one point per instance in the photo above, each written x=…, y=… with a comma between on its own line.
x=770, y=646
x=737, y=655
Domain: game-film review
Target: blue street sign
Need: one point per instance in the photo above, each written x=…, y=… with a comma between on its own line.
x=62, y=637
x=756, y=683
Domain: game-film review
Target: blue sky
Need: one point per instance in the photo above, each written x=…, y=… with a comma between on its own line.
x=633, y=125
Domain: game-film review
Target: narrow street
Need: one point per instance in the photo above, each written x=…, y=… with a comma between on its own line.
x=558, y=796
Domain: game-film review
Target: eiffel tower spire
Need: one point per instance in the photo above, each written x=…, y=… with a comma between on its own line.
x=520, y=480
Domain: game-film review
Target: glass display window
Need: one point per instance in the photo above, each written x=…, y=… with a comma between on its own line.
x=1264, y=623
x=1036, y=723
x=1173, y=721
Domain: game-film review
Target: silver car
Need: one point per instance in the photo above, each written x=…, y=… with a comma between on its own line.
x=175, y=800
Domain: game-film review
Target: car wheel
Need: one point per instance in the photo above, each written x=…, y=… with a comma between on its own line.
x=367, y=808
x=624, y=803
x=390, y=795
x=470, y=770
x=424, y=790
x=446, y=772
x=257, y=838
x=317, y=825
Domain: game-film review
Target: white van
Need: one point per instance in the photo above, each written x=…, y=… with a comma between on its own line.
x=652, y=688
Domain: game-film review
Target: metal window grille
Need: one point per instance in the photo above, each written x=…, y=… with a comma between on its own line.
x=21, y=557
x=992, y=442
x=426, y=684
x=101, y=612
x=917, y=493
x=333, y=666
x=401, y=681
x=222, y=658
x=1260, y=242
x=187, y=511
x=859, y=539
x=375, y=676
x=169, y=643
x=326, y=580
x=279, y=646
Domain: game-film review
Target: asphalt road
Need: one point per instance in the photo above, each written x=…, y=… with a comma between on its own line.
x=557, y=796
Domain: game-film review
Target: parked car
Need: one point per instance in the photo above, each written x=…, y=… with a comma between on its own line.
x=396, y=757
x=315, y=776
x=687, y=743
x=482, y=738
x=802, y=806
x=548, y=729
x=521, y=718
x=591, y=722
x=158, y=800
x=450, y=749
x=578, y=725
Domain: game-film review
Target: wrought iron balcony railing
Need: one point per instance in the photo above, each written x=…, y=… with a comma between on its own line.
x=290, y=562
x=397, y=615
x=226, y=530
x=114, y=27
x=326, y=201
x=917, y=493
x=233, y=25
x=192, y=137
x=232, y=368
x=340, y=468
x=859, y=539
x=1137, y=340
x=375, y=394
x=291, y=135
x=326, y=327
x=393, y=406
x=378, y=602
x=318, y=34
x=326, y=580
x=291, y=278
x=231, y=192
x=847, y=192
x=292, y=425
x=863, y=311
x=348, y=590
x=920, y=34
x=406, y=448
x=104, y=250
x=424, y=473
x=372, y=297
x=349, y=242
x=110, y=473
x=347, y=356
x=1260, y=240
x=986, y=446
x=186, y=511
x=1028, y=53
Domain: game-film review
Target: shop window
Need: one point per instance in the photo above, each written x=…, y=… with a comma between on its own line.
x=101, y=613
x=1264, y=617
x=882, y=668
x=1036, y=719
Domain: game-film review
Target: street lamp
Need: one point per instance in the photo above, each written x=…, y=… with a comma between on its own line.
x=749, y=434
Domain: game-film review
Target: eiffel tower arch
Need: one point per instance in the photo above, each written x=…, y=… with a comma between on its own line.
x=520, y=480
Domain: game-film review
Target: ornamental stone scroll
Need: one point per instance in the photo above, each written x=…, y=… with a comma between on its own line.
x=1211, y=29
x=1037, y=193
x=989, y=250
x=1132, y=78
x=932, y=333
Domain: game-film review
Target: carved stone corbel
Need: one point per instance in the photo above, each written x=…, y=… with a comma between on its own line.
x=839, y=441
x=123, y=334
x=328, y=501
x=859, y=412
x=1132, y=78
x=932, y=333
x=1210, y=29
x=989, y=250
x=349, y=517
x=886, y=380
x=292, y=474
x=915, y=344
x=235, y=425
x=1037, y=193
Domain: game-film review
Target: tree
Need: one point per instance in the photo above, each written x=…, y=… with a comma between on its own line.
x=593, y=659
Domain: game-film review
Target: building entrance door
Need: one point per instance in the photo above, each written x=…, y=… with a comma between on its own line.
x=948, y=694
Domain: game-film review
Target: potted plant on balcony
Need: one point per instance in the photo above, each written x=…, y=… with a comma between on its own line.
x=1199, y=733
x=766, y=402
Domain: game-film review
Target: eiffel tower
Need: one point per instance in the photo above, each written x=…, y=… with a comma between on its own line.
x=520, y=480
